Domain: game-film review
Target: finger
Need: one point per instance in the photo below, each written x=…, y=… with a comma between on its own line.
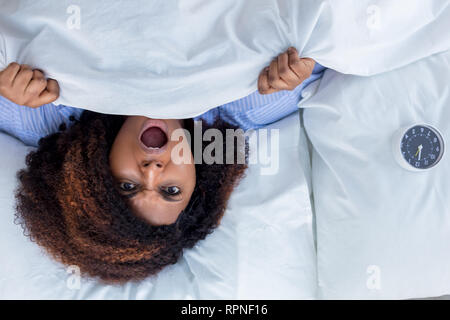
x=308, y=64
x=274, y=78
x=10, y=72
x=286, y=73
x=263, y=82
x=294, y=62
x=23, y=78
x=301, y=67
x=38, y=74
x=50, y=94
x=36, y=86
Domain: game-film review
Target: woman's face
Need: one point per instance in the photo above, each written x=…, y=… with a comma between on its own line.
x=141, y=163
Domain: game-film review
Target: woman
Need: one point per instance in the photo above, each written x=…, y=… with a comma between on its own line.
x=103, y=192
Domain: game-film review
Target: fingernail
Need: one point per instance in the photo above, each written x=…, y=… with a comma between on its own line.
x=266, y=69
x=291, y=50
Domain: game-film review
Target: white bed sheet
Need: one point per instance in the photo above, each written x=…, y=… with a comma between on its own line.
x=263, y=249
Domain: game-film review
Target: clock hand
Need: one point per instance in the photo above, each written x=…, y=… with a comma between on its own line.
x=420, y=151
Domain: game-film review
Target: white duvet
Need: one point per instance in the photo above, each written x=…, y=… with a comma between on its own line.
x=178, y=58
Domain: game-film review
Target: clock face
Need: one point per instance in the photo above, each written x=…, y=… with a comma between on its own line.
x=422, y=146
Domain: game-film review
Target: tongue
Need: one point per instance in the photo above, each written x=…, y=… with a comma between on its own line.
x=154, y=137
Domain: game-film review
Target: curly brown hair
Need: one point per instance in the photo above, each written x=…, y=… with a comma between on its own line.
x=68, y=203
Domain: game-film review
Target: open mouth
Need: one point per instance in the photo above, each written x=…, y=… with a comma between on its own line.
x=153, y=137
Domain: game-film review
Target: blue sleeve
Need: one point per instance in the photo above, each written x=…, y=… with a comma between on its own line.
x=257, y=110
x=31, y=124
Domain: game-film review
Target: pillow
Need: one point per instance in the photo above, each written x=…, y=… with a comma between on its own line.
x=263, y=248
x=382, y=231
x=177, y=59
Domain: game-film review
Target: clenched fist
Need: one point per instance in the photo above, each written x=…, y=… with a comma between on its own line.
x=24, y=86
x=285, y=72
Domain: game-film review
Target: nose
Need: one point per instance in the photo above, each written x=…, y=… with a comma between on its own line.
x=151, y=171
x=153, y=164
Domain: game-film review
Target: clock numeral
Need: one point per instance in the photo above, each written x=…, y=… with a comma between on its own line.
x=417, y=164
x=432, y=156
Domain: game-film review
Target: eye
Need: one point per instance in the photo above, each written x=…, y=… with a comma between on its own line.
x=127, y=186
x=172, y=190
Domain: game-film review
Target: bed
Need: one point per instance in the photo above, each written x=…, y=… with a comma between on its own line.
x=331, y=222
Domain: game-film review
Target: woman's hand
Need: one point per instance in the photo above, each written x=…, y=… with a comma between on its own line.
x=285, y=72
x=24, y=86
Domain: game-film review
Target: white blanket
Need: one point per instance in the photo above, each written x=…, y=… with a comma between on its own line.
x=178, y=58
